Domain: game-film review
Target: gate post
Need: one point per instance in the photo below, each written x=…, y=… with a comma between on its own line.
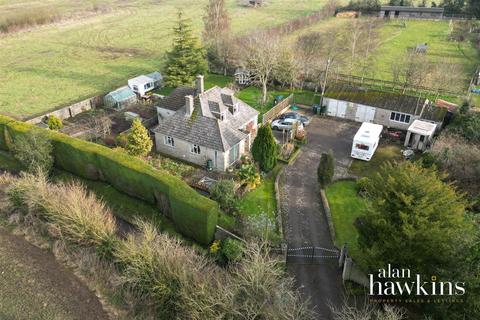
x=343, y=254
x=347, y=269
x=313, y=252
x=284, y=247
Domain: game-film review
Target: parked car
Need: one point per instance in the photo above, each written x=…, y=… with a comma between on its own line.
x=285, y=124
x=295, y=115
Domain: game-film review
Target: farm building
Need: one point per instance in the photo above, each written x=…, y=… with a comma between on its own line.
x=120, y=98
x=410, y=12
x=392, y=110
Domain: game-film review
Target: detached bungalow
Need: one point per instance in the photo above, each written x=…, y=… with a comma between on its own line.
x=201, y=126
x=392, y=110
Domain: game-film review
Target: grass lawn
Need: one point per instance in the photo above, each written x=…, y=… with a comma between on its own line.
x=346, y=206
x=253, y=96
x=55, y=65
x=211, y=80
x=262, y=201
x=384, y=153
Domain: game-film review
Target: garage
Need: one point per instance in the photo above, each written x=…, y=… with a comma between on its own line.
x=364, y=113
x=336, y=108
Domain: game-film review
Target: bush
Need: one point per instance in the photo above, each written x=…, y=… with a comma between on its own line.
x=249, y=176
x=326, y=169
x=223, y=192
x=54, y=123
x=138, y=140
x=265, y=149
x=34, y=151
x=69, y=210
x=232, y=250
x=193, y=215
x=121, y=140
x=174, y=279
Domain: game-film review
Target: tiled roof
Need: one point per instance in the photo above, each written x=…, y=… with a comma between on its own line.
x=385, y=100
x=176, y=99
x=204, y=128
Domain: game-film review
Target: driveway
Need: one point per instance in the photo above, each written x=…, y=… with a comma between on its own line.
x=305, y=223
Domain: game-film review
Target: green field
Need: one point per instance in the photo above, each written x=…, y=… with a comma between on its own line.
x=346, y=206
x=55, y=65
x=393, y=40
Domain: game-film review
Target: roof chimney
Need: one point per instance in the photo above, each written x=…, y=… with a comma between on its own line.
x=200, y=84
x=188, y=105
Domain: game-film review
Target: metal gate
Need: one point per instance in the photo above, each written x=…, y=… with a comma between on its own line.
x=312, y=254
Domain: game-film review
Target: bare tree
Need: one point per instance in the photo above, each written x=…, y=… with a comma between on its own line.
x=216, y=33
x=102, y=125
x=287, y=69
x=260, y=56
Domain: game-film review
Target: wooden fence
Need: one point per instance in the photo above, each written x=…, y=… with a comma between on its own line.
x=277, y=109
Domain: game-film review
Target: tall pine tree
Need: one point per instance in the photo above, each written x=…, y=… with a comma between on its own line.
x=186, y=60
x=264, y=149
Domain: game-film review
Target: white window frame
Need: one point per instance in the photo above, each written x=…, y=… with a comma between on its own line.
x=398, y=115
x=195, y=149
x=169, y=141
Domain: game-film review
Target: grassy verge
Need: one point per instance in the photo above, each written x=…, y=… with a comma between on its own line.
x=125, y=207
x=346, y=206
x=384, y=153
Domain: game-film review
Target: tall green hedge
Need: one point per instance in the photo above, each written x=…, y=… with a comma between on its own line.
x=193, y=215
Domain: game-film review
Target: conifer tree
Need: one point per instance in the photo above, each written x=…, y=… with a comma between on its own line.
x=326, y=169
x=413, y=220
x=264, y=149
x=186, y=60
x=138, y=140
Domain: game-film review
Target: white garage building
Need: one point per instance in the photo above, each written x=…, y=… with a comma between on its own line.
x=392, y=110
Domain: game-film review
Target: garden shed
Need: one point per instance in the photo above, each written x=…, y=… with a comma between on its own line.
x=120, y=98
x=157, y=77
x=141, y=85
x=420, y=134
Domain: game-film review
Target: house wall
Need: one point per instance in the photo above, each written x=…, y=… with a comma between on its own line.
x=182, y=151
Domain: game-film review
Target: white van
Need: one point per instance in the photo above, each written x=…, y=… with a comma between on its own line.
x=366, y=141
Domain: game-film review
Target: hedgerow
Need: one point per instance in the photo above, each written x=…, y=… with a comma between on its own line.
x=193, y=215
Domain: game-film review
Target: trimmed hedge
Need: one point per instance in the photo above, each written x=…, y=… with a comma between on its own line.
x=193, y=215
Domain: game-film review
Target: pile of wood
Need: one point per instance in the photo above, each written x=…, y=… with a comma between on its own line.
x=348, y=14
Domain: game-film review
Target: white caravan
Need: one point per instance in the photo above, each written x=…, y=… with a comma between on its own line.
x=366, y=141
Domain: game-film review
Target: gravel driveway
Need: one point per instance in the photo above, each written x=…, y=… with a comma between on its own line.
x=304, y=221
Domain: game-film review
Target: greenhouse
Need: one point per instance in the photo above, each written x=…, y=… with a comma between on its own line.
x=120, y=98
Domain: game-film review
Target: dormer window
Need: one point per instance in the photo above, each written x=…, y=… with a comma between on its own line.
x=235, y=108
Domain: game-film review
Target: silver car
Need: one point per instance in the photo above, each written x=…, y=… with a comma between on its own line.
x=285, y=124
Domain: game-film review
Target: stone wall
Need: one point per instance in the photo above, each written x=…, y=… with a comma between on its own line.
x=71, y=110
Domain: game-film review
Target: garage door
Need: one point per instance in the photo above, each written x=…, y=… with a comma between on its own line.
x=365, y=113
x=332, y=108
x=341, y=109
